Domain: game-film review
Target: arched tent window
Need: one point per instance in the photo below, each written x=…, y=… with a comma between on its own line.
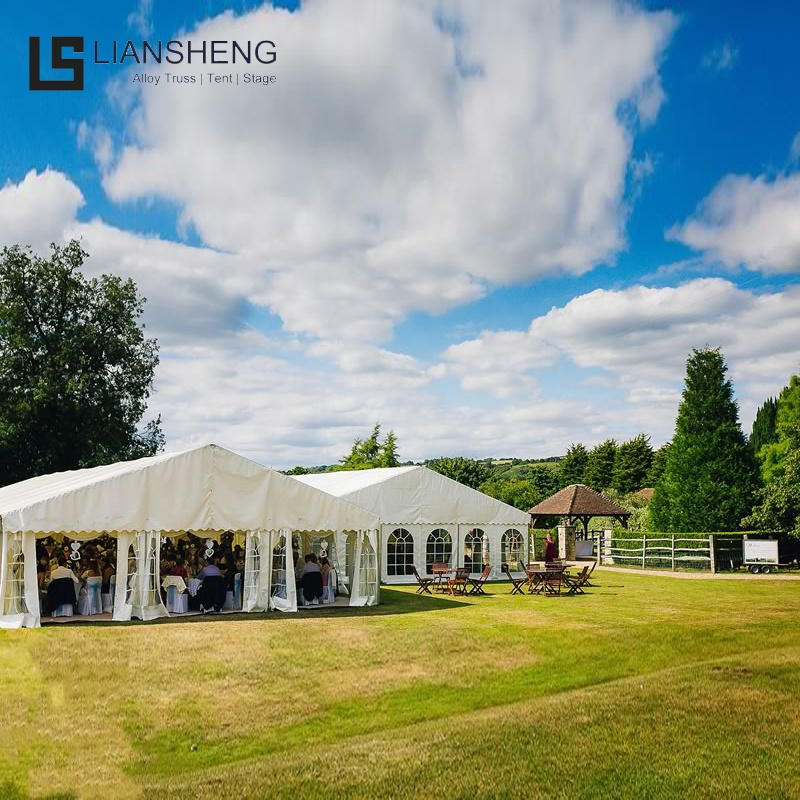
x=399, y=552
x=439, y=548
x=278, y=578
x=512, y=549
x=476, y=550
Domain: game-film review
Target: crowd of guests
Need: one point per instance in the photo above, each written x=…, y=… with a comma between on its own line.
x=186, y=557
x=61, y=559
x=316, y=578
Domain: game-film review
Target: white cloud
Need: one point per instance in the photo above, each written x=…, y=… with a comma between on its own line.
x=641, y=337
x=140, y=18
x=722, y=58
x=794, y=150
x=748, y=222
x=409, y=156
x=37, y=210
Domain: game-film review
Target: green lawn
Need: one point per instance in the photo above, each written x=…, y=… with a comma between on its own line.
x=647, y=686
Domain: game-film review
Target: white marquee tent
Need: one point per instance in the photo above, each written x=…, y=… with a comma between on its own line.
x=206, y=490
x=427, y=518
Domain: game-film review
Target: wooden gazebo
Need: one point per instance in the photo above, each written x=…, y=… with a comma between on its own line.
x=578, y=502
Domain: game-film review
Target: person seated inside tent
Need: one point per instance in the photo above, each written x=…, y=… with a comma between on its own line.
x=311, y=580
x=212, y=588
x=179, y=569
x=63, y=587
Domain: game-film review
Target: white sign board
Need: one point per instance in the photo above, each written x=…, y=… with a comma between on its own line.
x=760, y=551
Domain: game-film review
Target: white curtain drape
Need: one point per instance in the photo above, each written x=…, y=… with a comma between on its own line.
x=283, y=540
x=122, y=595
x=257, y=571
x=19, y=587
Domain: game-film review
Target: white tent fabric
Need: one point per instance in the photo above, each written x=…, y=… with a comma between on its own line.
x=420, y=501
x=415, y=495
x=204, y=489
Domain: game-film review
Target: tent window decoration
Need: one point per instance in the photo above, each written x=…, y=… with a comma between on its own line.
x=512, y=548
x=439, y=548
x=400, y=552
x=476, y=549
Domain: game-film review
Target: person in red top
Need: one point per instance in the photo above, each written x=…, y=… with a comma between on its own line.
x=550, y=549
x=179, y=570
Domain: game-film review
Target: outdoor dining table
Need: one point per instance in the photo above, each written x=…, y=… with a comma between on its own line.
x=537, y=577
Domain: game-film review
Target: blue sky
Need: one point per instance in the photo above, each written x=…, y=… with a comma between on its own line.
x=493, y=262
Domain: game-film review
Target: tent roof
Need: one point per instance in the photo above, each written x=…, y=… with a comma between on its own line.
x=415, y=495
x=205, y=488
x=578, y=500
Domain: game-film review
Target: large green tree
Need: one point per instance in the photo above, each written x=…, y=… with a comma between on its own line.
x=370, y=453
x=778, y=509
x=764, y=425
x=468, y=471
x=572, y=468
x=632, y=464
x=600, y=465
x=711, y=475
x=76, y=369
x=787, y=416
x=659, y=465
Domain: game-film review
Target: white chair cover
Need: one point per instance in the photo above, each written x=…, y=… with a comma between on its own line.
x=177, y=594
x=329, y=591
x=194, y=586
x=63, y=611
x=89, y=602
x=233, y=600
x=108, y=599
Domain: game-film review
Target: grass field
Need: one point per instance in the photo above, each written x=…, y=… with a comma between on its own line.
x=648, y=687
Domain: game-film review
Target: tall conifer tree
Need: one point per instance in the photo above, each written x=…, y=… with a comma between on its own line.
x=572, y=468
x=711, y=476
x=600, y=466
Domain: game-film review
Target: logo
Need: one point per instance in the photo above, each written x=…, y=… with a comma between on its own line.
x=57, y=61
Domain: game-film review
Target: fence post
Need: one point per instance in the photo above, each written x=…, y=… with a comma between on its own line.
x=644, y=550
x=599, y=552
x=712, y=556
x=672, y=539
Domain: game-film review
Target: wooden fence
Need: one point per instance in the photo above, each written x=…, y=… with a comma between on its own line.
x=663, y=551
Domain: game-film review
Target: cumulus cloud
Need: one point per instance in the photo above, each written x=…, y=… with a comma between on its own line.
x=410, y=155
x=641, y=337
x=38, y=209
x=748, y=222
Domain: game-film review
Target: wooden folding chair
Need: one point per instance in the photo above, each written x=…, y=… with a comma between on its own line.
x=476, y=584
x=424, y=583
x=588, y=582
x=575, y=584
x=516, y=583
x=458, y=583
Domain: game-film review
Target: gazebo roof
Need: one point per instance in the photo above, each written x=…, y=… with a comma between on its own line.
x=578, y=500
